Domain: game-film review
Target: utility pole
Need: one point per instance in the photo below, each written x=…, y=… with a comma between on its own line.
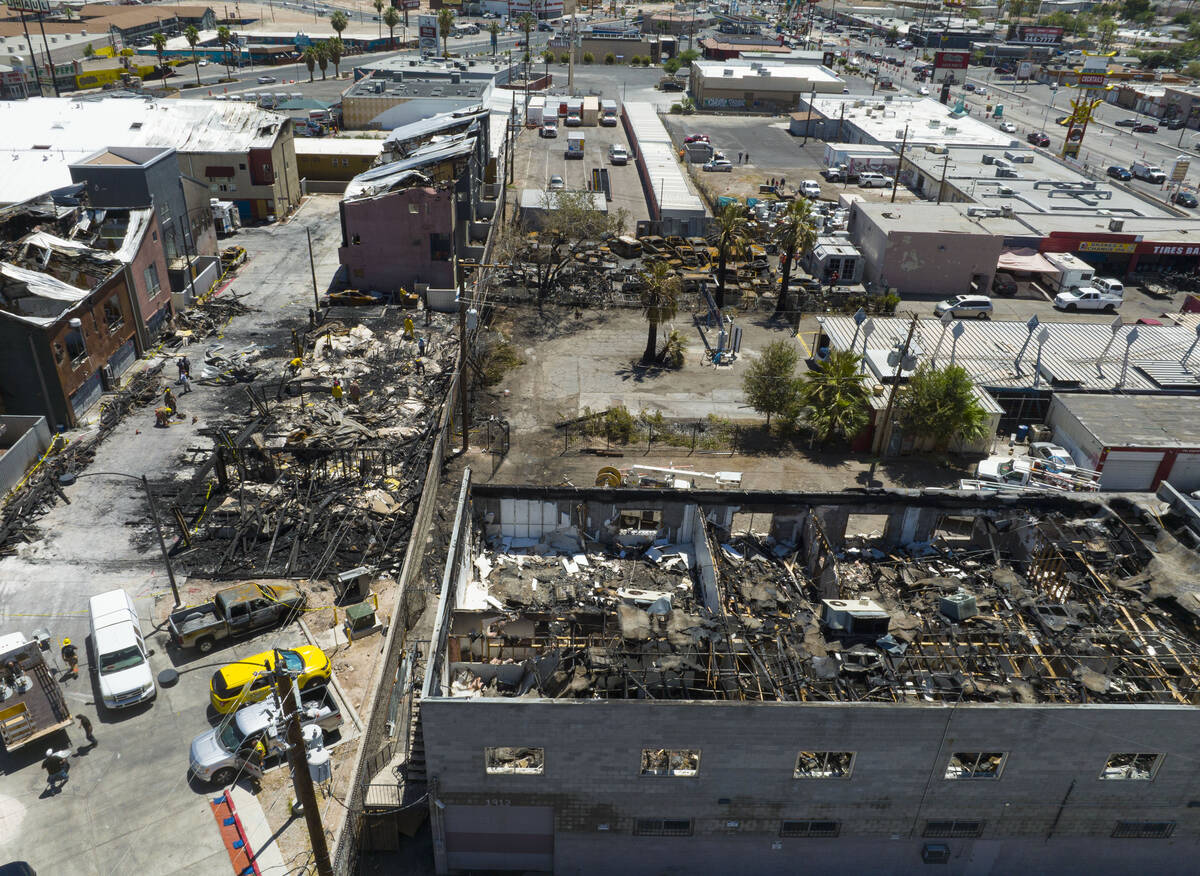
x=571, y=61
x=298, y=761
x=37, y=76
x=942, y=184
x=462, y=368
x=162, y=544
x=900, y=164
x=313, y=267
x=812, y=98
x=885, y=424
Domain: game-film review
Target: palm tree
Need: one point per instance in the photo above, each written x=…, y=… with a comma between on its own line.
x=939, y=404
x=193, y=37
x=494, y=30
x=732, y=228
x=225, y=40
x=660, y=299
x=445, y=20
x=526, y=23
x=309, y=56
x=378, y=4
x=336, y=49
x=795, y=235
x=391, y=18
x=323, y=57
x=159, y=41
x=833, y=397
x=338, y=21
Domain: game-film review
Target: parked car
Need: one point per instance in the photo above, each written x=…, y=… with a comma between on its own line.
x=1087, y=298
x=978, y=306
x=923, y=90
x=617, y=154
x=217, y=755
x=872, y=180
x=1038, y=138
x=696, y=138
x=1184, y=199
x=1008, y=127
x=1109, y=285
x=251, y=680
x=556, y=184
x=1121, y=173
x=234, y=611
x=1052, y=453
x=968, y=86
x=1127, y=123
x=1146, y=129
x=265, y=80
x=1176, y=124
x=1151, y=173
x=719, y=165
x=1004, y=284
x=810, y=188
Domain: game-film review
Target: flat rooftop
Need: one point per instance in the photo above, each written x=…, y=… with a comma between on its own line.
x=1003, y=605
x=1138, y=420
x=764, y=71
x=882, y=119
x=1029, y=181
x=921, y=216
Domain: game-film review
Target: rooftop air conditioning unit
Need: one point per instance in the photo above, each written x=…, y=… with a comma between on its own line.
x=727, y=72
x=951, y=131
x=1006, y=211
x=988, y=159
x=1116, y=224
x=900, y=133
x=1005, y=192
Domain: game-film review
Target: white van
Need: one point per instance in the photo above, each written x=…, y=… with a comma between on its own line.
x=122, y=659
x=1109, y=285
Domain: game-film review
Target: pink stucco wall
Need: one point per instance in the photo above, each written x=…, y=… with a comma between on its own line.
x=388, y=240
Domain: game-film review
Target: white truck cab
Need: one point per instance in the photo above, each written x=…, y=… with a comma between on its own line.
x=122, y=658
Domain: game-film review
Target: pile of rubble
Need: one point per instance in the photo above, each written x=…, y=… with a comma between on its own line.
x=327, y=474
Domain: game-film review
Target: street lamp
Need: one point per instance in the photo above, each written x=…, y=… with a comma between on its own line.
x=67, y=478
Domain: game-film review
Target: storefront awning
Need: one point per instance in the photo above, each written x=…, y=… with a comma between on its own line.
x=1024, y=260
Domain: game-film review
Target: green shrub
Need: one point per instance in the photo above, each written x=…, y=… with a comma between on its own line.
x=588, y=57
x=618, y=424
x=676, y=109
x=548, y=57
x=564, y=58
x=610, y=59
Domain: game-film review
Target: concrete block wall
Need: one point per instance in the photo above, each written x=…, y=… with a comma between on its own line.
x=1048, y=812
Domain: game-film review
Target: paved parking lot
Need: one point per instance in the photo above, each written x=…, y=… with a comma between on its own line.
x=539, y=158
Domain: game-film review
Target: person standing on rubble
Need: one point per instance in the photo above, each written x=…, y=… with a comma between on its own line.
x=421, y=346
x=336, y=391
x=419, y=365
x=169, y=402
x=408, y=327
x=355, y=392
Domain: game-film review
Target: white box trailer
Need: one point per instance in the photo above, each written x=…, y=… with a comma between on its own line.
x=1069, y=272
x=536, y=111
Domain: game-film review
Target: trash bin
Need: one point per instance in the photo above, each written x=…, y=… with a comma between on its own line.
x=1022, y=434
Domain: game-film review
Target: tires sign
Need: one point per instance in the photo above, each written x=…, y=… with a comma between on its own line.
x=951, y=60
x=1041, y=36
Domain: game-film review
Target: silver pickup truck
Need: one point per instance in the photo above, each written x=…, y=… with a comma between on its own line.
x=218, y=754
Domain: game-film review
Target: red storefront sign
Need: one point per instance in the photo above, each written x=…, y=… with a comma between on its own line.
x=1040, y=35
x=951, y=60
x=1114, y=244
x=1091, y=80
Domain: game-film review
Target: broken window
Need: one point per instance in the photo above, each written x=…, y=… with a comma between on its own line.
x=59, y=353
x=952, y=829
x=1143, y=829
x=113, y=317
x=640, y=520
x=1131, y=766
x=824, y=765
x=665, y=762
x=809, y=828
x=76, y=348
x=662, y=827
x=975, y=765
x=515, y=761
x=414, y=209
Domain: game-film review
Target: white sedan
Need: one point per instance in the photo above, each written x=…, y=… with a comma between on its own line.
x=1054, y=454
x=810, y=188
x=719, y=165
x=1008, y=127
x=923, y=90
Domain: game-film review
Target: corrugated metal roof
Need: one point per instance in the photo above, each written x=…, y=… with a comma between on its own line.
x=41, y=136
x=1084, y=356
x=664, y=172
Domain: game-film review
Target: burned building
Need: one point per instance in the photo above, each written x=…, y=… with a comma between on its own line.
x=407, y=222
x=641, y=681
x=81, y=293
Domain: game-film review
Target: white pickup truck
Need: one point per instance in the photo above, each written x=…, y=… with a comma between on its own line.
x=1088, y=298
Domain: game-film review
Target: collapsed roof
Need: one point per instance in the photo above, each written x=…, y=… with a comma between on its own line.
x=1010, y=608
x=52, y=258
